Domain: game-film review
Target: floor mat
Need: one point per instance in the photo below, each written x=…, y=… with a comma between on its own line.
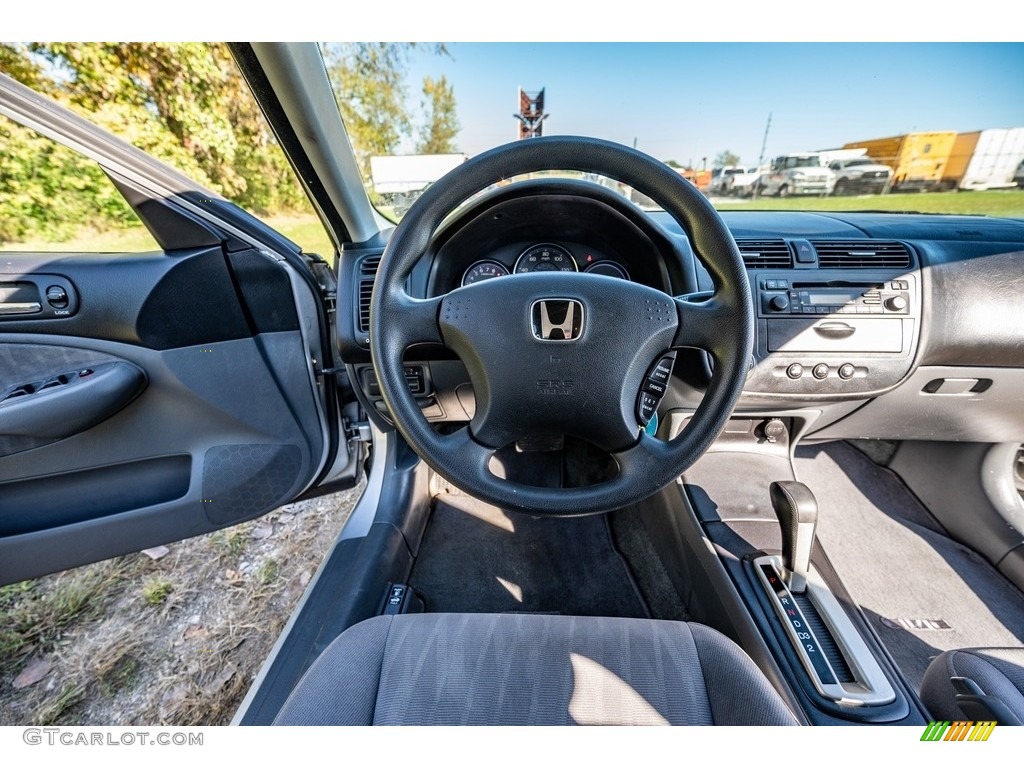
x=652, y=578
x=923, y=592
x=476, y=558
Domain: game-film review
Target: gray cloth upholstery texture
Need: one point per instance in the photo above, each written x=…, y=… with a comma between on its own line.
x=526, y=669
x=999, y=672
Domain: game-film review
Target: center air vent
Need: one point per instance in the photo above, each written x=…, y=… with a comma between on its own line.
x=770, y=254
x=851, y=254
x=367, y=273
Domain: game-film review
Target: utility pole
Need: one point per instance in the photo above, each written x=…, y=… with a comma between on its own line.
x=764, y=141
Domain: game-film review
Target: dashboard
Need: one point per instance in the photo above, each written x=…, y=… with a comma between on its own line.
x=896, y=326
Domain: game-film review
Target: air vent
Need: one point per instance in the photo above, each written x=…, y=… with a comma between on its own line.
x=368, y=266
x=367, y=273
x=852, y=254
x=758, y=254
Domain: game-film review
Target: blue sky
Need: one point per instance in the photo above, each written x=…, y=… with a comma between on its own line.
x=691, y=100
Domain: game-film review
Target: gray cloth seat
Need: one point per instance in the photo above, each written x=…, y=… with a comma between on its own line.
x=997, y=672
x=528, y=669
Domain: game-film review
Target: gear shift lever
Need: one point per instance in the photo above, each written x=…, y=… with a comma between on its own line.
x=797, y=510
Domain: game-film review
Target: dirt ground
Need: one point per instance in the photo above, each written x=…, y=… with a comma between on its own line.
x=169, y=637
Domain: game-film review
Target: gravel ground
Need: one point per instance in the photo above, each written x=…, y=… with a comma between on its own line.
x=173, y=636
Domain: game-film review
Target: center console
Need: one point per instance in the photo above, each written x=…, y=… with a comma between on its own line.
x=762, y=533
x=835, y=320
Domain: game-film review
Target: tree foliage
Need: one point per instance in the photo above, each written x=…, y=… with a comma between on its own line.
x=369, y=84
x=46, y=188
x=725, y=158
x=186, y=104
x=437, y=136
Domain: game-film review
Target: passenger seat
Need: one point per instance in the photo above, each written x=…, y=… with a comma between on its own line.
x=976, y=684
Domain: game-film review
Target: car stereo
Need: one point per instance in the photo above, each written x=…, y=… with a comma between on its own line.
x=782, y=297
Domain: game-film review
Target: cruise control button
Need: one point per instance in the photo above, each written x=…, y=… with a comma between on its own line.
x=795, y=371
x=646, y=407
x=820, y=371
x=846, y=371
x=654, y=387
x=662, y=370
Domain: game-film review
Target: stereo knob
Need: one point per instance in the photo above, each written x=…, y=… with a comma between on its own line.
x=779, y=303
x=896, y=303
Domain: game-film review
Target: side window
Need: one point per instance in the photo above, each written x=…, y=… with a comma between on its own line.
x=53, y=199
x=185, y=104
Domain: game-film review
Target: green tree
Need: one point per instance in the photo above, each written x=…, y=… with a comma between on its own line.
x=369, y=84
x=725, y=158
x=437, y=136
x=184, y=103
x=16, y=62
x=672, y=164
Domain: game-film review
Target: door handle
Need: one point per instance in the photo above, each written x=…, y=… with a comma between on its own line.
x=20, y=307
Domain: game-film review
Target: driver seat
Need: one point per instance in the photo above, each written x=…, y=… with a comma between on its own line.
x=530, y=669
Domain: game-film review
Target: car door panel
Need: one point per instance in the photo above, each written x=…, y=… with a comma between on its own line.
x=204, y=416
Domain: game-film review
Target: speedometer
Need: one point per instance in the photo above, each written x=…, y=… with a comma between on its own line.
x=483, y=270
x=545, y=257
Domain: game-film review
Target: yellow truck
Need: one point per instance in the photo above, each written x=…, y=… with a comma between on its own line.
x=918, y=160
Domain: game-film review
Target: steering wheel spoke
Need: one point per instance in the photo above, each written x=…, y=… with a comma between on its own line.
x=414, y=321
x=645, y=452
x=473, y=455
x=703, y=324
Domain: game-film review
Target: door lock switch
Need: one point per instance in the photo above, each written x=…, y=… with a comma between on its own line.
x=57, y=297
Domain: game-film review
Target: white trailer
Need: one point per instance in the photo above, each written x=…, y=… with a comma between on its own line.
x=403, y=174
x=997, y=155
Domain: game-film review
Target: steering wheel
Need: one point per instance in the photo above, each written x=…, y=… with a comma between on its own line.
x=557, y=352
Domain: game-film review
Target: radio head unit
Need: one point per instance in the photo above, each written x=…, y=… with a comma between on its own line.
x=783, y=297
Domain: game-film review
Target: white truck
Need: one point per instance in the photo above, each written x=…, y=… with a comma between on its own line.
x=799, y=173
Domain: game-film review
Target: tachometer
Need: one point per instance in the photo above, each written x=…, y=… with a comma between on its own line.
x=483, y=270
x=545, y=257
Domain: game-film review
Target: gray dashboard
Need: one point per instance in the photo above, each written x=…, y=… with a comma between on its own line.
x=854, y=312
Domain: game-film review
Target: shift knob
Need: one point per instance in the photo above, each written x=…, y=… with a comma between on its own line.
x=797, y=510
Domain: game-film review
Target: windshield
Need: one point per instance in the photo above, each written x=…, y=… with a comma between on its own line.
x=414, y=111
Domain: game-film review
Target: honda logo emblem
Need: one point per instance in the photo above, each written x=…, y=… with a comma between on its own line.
x=557, y=319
